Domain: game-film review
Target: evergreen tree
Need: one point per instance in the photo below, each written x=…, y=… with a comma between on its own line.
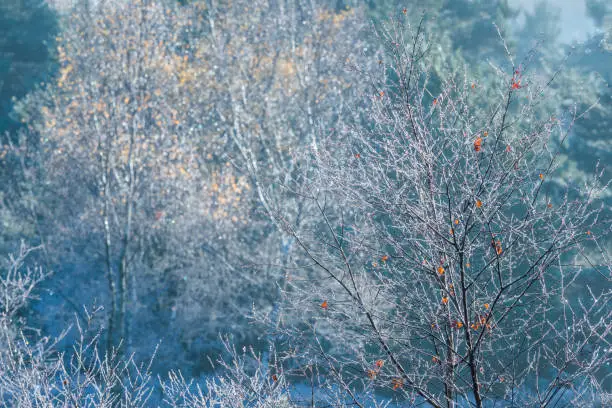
x=27, y=29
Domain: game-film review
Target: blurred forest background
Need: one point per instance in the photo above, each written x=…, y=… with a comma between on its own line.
x=140, y=138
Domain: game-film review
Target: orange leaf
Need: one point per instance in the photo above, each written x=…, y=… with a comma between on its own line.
x=397, y=383
x=478, y=144
x=379, y=363
x=384, y=258
x=440, y=270
x=445, y=300
x=486, y=305
x=324, y=304
x=497, y=245
x=478, y=203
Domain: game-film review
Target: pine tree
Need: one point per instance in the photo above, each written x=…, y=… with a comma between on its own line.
x=27, y=29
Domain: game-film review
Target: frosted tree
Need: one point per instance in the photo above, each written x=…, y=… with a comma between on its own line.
x=119, y=122
x=167, y=120
x=442, y=270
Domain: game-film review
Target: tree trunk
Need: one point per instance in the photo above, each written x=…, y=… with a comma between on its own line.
x=110, y=276
x=124, y=272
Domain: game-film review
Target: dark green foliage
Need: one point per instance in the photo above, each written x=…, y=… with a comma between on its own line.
x=598, y=9
x=27, y=32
